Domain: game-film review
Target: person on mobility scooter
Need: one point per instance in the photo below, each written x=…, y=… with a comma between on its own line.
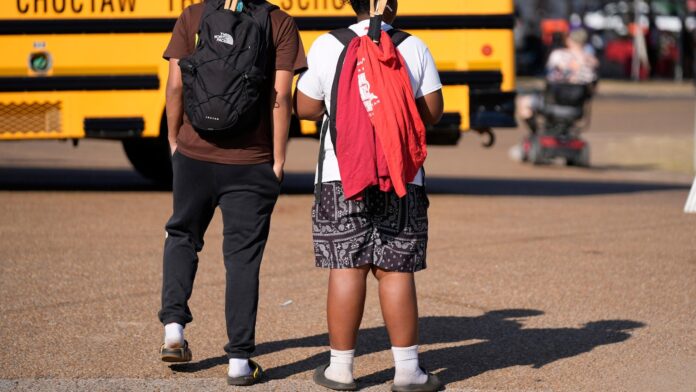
x=557, y=116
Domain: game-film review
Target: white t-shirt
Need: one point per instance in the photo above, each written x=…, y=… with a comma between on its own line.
x=317, y=81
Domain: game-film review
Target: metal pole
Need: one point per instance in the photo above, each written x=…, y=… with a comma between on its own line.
x=694, y=140
x=678, y=68
x=690, y=207
x=635, y=69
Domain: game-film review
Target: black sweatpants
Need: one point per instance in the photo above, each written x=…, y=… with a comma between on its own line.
x=246, y=195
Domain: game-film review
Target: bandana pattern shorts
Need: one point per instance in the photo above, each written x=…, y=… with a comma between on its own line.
x=381, y=229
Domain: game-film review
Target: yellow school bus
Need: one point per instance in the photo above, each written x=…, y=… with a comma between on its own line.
x=74, y=69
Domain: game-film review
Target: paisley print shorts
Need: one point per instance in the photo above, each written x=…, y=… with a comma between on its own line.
x=381, y=229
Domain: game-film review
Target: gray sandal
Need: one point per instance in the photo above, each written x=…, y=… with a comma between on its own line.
x=432, y=385
x=181, y=354
x=245, y=381
x=320, y=379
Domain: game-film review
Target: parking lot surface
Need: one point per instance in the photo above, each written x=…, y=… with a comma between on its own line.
x=539, y=279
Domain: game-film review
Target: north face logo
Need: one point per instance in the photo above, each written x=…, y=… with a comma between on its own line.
x=225, y=38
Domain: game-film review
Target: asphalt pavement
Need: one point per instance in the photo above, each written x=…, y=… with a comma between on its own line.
x=539, y=279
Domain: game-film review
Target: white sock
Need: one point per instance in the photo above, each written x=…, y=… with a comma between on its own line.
x=239, y=367
x=341, y=367
x=173, y=335
x=407, y=369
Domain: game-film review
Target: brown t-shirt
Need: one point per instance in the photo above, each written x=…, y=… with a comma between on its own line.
x=246, y=147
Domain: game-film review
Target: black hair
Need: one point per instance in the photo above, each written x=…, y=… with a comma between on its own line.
x=360, y=6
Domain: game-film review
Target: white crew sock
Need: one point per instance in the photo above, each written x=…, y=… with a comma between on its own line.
x=407, y=369
x=173, y=335
x=341, y=367
x=239, y=367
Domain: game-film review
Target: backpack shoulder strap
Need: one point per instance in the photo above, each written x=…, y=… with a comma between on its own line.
x=322, y=157
x=268, y=6
x=209, y=7
x=214, y=4
x=344, y=36
x=398, y=36
x=259, y=4
x=261, y=10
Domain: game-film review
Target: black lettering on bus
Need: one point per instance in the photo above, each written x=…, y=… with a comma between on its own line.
x=129, y=3
x=36, y=6
x=75, y=8
x=287, y=5
x=20, y=9
x=94, y=7
x=183, y=4
x=110, y=3
x=59, y=6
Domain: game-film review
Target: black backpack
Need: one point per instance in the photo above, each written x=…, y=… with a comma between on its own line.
x=225, y=79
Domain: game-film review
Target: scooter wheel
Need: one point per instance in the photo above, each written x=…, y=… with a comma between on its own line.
x=536, y=152
x=581, y=159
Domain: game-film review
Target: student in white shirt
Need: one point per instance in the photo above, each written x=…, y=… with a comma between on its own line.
x=394, y=268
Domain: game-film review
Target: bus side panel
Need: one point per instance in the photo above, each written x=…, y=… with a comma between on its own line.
x=85, y=56
x=77, y=105
x=47, y=9
x=502, y=57
x=473, y=50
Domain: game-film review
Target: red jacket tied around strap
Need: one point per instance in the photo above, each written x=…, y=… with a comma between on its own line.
x=380, y=137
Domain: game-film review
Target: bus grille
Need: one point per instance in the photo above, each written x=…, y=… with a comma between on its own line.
x=30, y=117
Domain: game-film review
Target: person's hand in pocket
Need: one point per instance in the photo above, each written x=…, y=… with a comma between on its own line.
x=278, y=170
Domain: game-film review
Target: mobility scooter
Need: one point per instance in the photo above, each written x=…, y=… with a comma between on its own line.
x=563, y=113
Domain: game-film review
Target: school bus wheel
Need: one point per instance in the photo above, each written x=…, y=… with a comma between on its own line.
x=489, y=135
x=150, y=156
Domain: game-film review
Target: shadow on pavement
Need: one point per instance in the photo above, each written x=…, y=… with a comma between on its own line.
x=300, y=183
x=541, y=187
x=495, y=340
x=65, y=179
x=624, y=168
x=123, y=180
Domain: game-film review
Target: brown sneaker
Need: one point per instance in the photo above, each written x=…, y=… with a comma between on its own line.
x=179, y=354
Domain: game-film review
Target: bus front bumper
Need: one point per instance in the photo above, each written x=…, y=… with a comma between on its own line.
x=492, y=109
x=489, y=109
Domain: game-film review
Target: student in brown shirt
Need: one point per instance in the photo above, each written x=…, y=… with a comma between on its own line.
x=249, y=147
x=241, y=174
